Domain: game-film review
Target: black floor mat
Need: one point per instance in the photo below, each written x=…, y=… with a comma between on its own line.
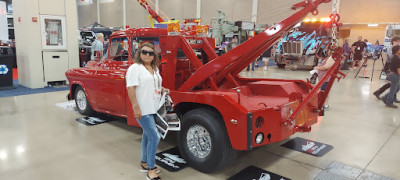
x=308, y=146
x=255, y=173
x=171, y=160
x=95, y=120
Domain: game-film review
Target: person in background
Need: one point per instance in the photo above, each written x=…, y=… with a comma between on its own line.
x=326, y=63
x=394, y=41
x=358, y=49
x=231, y=44
x=97, y=47
x=144, y=86
x=324, y=67
x=253, y=63
x=393, y=77
x=346, y=53
x=322, y=54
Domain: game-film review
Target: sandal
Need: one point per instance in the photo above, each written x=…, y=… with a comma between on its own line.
x=154, y=178
x=145, y=169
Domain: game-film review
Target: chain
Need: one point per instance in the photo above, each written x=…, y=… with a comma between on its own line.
x=334, y=29
x=334, y=7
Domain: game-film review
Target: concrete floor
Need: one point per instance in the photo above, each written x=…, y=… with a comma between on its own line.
x=40, y=141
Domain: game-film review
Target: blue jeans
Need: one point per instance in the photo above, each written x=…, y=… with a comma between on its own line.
x=150, y=140
x=394, y=87
x=253, y=64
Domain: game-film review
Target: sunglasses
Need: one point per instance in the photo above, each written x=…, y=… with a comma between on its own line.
x=150, y=53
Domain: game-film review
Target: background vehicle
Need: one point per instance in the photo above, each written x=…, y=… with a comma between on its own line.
x=391, y=31
x=86, y=39
x=221, y=113
x=299, y=46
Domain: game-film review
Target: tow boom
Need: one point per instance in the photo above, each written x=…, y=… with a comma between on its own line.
x=231, y=63
x=153, y=14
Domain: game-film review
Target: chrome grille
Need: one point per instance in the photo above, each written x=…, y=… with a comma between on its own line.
x=293, y=47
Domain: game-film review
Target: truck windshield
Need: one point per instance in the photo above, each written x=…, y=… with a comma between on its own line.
x=119, y=49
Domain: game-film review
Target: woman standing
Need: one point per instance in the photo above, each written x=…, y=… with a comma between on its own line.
x=143, y=82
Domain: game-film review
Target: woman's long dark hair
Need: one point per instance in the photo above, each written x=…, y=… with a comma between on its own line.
x=155, y=61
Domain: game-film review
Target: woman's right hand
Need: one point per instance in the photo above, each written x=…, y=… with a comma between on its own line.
x=137, y=112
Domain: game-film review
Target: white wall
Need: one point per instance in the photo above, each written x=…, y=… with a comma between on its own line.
x=28, y=37
x=28, y=43
x=3, y=21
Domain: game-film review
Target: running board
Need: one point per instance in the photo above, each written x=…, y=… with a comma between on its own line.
x=168, y=122
x=166, y=119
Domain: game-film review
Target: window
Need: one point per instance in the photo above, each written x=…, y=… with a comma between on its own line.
x=10, y=22
x=119, y=49
x=53, y=32
x=138, y=41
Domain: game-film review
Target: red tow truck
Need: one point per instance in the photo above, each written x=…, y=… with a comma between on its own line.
x=221, y=113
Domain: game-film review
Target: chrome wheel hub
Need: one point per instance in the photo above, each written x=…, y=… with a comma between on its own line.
x=198, y=141
x=81, y=100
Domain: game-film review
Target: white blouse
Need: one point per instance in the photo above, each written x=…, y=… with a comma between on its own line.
x=147, y=86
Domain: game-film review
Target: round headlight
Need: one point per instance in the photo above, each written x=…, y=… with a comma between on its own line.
x=259, y=138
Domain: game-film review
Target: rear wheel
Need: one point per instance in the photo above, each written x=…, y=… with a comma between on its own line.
x=82, y=102
x=204, y=142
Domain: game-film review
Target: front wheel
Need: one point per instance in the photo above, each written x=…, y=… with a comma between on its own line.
x=82, y=102
x=204, y=142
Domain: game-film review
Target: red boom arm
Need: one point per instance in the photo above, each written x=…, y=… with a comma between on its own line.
x=232, y=62
x=153, y=14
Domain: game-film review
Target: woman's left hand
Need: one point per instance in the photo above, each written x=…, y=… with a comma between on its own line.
x=166, y=90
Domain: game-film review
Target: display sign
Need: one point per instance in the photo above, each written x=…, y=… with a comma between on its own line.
x=255, y=173
x=3, y=69
x=6, y=64
x=308, y=146
x=171, y=160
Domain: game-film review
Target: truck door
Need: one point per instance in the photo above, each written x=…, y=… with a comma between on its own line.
x=111, y=78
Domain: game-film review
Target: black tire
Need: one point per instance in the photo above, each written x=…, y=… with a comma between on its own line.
x=221, y=151
x=282, y=66
x=82, y=103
